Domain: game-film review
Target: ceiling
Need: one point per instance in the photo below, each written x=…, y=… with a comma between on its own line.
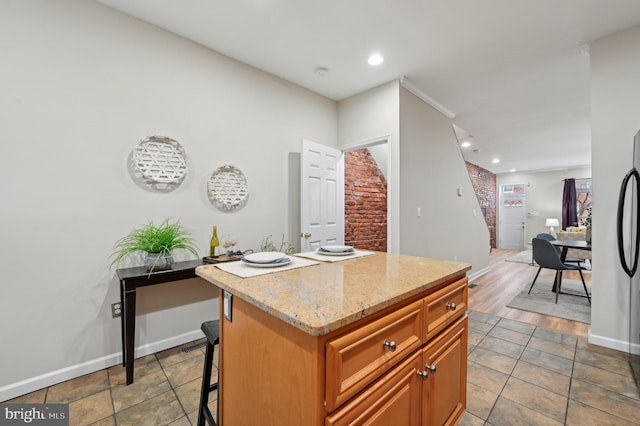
x=513, y=74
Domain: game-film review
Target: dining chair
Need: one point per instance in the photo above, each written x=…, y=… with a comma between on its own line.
x=550, y=237
x=546, y=256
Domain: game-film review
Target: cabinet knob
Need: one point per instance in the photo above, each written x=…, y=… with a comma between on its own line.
x=423, y=374
x=389, y=344
x=451, y=306
x=431, y=368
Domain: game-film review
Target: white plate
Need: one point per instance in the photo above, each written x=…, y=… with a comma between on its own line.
x=264, y=257
x=337, y=249
x=283, y=262
x=330, y=253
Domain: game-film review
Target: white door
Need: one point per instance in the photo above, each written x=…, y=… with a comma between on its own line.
x=512, y=218
x=322, y=196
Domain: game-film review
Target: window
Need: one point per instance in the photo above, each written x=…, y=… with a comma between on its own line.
x=583, y=198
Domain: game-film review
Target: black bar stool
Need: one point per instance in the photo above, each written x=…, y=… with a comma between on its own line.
x=211, y=331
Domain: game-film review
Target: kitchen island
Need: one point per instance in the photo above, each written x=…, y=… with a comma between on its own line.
x=382, y=337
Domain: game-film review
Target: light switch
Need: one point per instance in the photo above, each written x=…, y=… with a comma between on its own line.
x=419, y=212
x=460, y=192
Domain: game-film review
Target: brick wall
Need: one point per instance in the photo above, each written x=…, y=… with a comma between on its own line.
x=365, y=206
x=484, y=184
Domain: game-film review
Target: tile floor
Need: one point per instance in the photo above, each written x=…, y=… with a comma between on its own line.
x=518, y=375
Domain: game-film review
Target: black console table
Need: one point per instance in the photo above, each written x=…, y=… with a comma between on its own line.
x=130, y=280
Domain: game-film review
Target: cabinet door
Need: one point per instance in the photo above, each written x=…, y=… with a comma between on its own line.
x=394, y=399
x=444, y=390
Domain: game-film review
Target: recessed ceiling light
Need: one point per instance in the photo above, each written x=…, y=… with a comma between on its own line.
x=495, y=160
x=465, y=144
x=375, y=59
x=512, y=170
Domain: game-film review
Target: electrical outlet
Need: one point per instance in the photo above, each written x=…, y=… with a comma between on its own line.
x=116, y=309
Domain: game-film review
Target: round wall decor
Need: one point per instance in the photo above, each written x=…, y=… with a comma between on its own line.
x=227, y=188
x=160, y=159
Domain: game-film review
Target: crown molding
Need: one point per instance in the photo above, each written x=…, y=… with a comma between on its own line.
x=404, y=82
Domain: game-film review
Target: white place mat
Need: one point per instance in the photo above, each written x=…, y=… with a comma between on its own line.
x=243, y=270
x=324, y=258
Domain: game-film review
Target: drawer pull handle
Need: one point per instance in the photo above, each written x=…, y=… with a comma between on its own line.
x=389, y=344
x=451, y=306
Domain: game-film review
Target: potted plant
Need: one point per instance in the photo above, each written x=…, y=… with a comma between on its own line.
x=158, y=242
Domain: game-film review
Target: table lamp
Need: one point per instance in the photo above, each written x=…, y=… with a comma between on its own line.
x=551, y=222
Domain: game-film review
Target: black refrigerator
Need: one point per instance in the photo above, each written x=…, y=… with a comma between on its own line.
x=628, y=233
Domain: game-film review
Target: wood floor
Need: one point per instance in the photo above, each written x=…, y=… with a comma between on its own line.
x=494, y=290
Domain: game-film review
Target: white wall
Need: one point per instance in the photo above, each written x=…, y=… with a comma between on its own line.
x=615, y=118
x=450, y=226
x=374, y=115
x=81, y=84
x=543, y=196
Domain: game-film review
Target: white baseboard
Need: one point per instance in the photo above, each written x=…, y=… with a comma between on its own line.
x=619, y=345
x=54, y=377
x=479, y=273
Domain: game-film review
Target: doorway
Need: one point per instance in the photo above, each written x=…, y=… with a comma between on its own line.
x=512, y=216
x=365, y=191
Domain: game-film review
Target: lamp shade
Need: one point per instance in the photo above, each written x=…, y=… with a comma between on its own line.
x=552, y=221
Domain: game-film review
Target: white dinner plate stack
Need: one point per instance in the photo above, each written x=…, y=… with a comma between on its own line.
x=336, y=250
x=266, y=259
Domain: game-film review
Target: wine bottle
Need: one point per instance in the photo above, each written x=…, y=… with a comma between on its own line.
x=215, y=243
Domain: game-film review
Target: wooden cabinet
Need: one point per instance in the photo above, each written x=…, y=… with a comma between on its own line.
x=444, y=387
x=404, y=365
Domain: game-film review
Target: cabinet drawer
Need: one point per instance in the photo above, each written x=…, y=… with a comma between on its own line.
x=355, y=360
x=444, y=306
x=392, y=400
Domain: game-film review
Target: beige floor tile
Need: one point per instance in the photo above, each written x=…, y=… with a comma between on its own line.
x=549, y=361
x=480, y=317
x=518, y=326
x=142, y=367
x=189, y=395
x=480, y=401
x=606, y=400
x=107, y=421
x=182, y=421
x=614, y=382
x=536, y=398
x=565, y=351
x=501, y=363
x=556, y=336
x=80, y=387
x=547, y=379
x=474, y=337
x=175, y=355
x=159, y=410
x=486, y=378
x=582, y=415
x=510, y=335
x=480, y=327
x=146, y=387
x=185, y=371
x=606, y=362
x=469, y=419
x=509, y=413
x=90, y=409
x=37, y=397
x=583, y=344
x=503, y=347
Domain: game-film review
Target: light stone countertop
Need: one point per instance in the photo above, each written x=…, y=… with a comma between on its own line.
x=321, y=298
